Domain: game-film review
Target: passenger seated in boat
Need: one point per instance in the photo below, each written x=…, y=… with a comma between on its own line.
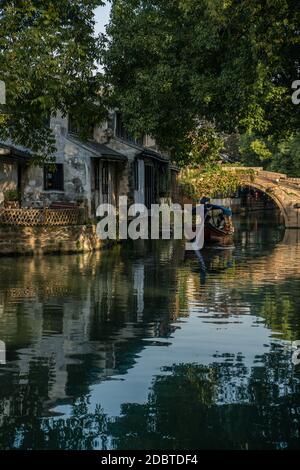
x=221, y=222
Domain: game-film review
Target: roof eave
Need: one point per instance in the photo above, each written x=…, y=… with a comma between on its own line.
x=111, y=156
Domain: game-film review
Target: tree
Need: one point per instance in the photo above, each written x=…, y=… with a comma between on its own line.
x=202, y=173
x=48, y=60
x=206, y=145
x=231, y=62
x=255, y=150
x=282, y=156
x=210, y=180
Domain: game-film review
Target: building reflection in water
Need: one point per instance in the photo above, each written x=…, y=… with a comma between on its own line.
x=81, y=330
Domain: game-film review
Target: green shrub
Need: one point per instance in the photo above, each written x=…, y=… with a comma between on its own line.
x=12, y=195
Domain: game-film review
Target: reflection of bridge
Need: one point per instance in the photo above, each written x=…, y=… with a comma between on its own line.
x=278, y=266
x=284, y=191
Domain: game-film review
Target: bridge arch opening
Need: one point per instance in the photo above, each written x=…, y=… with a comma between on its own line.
x=254, y=197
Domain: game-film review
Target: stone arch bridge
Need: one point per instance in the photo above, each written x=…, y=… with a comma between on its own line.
x=284, y=191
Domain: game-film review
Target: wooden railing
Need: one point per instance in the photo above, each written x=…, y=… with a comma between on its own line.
x=42, y=217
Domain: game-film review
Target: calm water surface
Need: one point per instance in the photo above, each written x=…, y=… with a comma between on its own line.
x=145, y=347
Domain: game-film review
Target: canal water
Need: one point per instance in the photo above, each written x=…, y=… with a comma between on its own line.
x=148, y=347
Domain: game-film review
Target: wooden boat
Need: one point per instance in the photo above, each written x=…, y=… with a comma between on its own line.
x=218, y=226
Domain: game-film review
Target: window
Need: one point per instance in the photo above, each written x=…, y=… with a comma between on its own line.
x=54, y=178
x=123, y=134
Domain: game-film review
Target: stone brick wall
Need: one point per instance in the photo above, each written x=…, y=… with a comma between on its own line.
x=46, y=240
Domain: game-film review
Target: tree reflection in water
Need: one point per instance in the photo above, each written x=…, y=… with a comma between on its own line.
x=73, y=324
x=216, y=407
x=221, y=406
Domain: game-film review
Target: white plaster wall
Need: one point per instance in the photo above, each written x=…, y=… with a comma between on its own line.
x=77, y=171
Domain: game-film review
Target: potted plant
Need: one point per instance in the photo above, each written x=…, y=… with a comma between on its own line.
x=12, y=199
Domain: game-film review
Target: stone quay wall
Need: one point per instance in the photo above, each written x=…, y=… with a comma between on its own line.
x=46, y=240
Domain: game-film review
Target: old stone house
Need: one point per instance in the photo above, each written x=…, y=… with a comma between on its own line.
x=98, y=170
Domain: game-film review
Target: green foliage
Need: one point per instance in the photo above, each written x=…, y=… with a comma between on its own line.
x=209, y=180
x=286, y=156
x=206, y=145
x=282, y=156
x=48, y=60
x=202, y=172
x=232, y=62
x=12, y=195
x=254, y=150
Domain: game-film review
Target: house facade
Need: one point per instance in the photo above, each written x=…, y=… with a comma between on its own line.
x=98, y=170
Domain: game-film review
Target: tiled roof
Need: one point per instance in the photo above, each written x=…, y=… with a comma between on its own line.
x=99, y=150
x=10, y=152
x=155, y=155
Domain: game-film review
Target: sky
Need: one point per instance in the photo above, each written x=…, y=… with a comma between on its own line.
x=102, y=17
